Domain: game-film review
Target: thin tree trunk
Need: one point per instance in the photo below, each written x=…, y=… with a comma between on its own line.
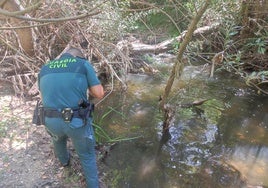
x=178, y=65
x=24, y=34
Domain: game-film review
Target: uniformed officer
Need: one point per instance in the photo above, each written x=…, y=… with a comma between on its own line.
x=63, y=84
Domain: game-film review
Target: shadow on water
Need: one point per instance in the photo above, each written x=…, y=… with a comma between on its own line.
x=223, y=143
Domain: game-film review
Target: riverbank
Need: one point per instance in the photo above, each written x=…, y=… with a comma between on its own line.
x=27, y=158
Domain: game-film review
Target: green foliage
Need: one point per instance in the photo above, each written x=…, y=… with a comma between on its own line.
x=259, y=77
x=211, y=110
x=259, y=44
x=101, y=135
x=148, y=58
x=164, y=16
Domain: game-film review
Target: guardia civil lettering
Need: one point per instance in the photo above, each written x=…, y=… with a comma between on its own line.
x=61, y=63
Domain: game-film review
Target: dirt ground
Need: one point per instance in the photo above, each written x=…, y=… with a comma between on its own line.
x=26, y=153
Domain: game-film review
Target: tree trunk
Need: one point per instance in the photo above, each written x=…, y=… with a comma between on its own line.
x=178, y=65
x=24, y=34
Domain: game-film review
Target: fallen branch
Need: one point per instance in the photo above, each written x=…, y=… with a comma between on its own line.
x=170, y=110
x=195, y=103
x=137, y=47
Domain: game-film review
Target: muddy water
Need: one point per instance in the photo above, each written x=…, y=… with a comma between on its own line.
x=222, y=143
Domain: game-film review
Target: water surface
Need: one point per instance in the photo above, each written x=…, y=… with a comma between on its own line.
x=222, y=143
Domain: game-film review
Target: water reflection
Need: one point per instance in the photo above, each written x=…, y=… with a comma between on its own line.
x=252, y=162
x=223, y=146
x=190, y=143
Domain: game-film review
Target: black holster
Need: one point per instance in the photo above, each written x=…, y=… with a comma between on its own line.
x=85, y=109
x=38, y=115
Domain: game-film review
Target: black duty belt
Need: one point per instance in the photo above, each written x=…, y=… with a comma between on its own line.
x=51, y=113
x=67, y=114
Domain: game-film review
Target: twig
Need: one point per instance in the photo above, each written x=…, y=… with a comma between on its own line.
x=53, y=20
x=24, y=27
x=16, y=13
x=254, y=85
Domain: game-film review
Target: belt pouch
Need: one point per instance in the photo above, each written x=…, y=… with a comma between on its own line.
x=67, y=114
x=38, y=116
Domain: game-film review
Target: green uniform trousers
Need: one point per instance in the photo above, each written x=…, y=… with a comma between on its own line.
x=84, y=144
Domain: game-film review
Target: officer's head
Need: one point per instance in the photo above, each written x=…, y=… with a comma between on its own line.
x=75, y=52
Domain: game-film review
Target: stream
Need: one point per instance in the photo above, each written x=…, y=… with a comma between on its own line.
x=221, y=143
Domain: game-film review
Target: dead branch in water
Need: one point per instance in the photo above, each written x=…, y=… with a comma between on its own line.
x=169, y=112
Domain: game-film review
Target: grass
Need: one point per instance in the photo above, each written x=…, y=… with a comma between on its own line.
x=101, y=135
